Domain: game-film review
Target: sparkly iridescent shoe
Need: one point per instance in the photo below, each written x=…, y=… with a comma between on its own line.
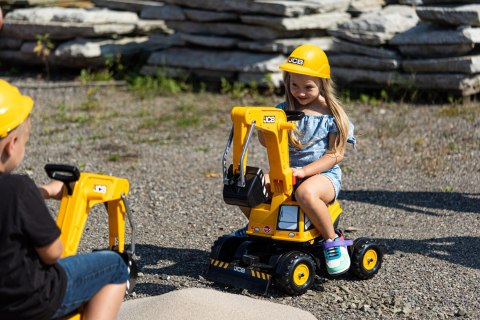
x=336, y=255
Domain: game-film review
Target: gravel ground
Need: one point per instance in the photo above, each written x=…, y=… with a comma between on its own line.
x=413, y=185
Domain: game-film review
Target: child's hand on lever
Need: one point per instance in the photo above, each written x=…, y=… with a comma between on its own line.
x=52, y=190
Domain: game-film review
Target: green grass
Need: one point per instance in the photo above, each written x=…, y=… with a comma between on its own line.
x=147, y=87
x=81, y=118
x=453, y=146
x=87, y=76
x=155, y=122
x=446, y=188
x=183, y=115
x=452, y=111
x=202, y=149
x=186, y=121
x=47, y=131
x=113, y=157
x=419, y=144
x=147, y=140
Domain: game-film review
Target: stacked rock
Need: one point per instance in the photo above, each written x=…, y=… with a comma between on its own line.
x=240, y=40
x=430, y=46
x=441, y=52
x=74, y=37
x=363, y=56
x=424, y=44
x=8, y=5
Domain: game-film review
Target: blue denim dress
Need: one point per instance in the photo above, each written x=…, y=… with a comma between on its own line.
x=314, y=132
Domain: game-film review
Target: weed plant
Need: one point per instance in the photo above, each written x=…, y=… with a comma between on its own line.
x=149, y=86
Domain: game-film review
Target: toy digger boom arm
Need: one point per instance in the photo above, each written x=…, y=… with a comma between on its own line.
x=83, y=191
x=274, y=125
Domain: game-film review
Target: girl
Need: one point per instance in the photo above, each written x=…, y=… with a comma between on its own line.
x=318, y=144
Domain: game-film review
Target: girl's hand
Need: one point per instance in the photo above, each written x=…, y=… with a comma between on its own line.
x=52, y=190
x=298, y=172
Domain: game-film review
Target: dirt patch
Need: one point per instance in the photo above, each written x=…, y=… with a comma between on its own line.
x=413, y=184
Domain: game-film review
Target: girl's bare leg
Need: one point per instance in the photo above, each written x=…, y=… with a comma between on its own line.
x=313, y=195
x=106, y=303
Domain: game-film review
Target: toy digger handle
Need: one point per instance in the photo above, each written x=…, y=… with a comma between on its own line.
x=62, y=172
x=294, y=115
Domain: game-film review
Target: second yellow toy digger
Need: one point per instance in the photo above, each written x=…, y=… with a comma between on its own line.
x=82, y=192
x=282, y=246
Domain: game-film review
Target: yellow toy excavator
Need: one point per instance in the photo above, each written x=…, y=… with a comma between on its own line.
x=82, y=192
x=282, y=246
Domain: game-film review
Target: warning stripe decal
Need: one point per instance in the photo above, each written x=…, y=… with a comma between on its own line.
x=218, y=263
x=260, y=275
x=254, y=273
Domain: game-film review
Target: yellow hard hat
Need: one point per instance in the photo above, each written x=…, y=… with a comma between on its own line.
x=309, y=60
x=14, y=108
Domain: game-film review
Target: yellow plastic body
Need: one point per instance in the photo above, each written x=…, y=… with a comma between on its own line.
x=77, y=316
x=264, y=217
x=88, y=191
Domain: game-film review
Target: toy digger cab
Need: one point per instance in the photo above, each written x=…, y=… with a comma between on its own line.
x=282, y=247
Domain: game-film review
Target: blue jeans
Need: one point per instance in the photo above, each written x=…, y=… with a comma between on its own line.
x=87, y=274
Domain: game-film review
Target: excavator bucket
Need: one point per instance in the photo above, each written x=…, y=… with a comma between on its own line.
x=232, y=274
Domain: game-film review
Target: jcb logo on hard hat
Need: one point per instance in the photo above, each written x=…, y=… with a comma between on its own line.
x=295, y=61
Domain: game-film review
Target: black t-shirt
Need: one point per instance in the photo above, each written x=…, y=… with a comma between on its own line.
x=29, y=289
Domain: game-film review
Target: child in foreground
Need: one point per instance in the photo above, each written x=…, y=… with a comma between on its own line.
x=35, y=283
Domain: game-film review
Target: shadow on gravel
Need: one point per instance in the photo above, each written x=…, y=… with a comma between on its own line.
x=181, y=262
x=456, y=250
x=152, y=289
x=417, y=202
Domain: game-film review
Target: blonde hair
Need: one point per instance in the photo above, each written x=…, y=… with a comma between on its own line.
x=327, y=90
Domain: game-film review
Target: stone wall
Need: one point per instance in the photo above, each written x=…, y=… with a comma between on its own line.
x=423, y=44
x=438, y=51
x=80, y=37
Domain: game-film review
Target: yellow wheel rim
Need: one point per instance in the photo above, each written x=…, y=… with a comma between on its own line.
x=370, y=259
x=301, y=274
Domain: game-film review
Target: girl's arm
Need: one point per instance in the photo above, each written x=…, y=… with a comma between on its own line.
x=49, y=254
x=327, y=161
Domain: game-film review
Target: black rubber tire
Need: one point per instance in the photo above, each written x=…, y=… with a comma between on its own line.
x=366, y=258
x=290, y=273
x=132, y=270
x=132, y=276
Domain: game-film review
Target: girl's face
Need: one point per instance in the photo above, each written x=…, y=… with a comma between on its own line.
x=305, y=89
